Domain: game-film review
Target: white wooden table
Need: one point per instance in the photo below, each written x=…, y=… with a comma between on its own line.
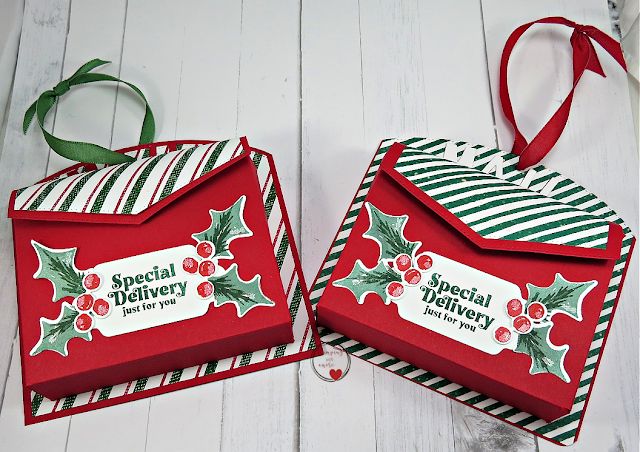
x=318, y=83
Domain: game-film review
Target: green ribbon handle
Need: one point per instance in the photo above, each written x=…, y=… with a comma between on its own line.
x=75, y=150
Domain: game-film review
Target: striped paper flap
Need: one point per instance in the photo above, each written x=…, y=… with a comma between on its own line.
x=128, y=188
x=499, y=209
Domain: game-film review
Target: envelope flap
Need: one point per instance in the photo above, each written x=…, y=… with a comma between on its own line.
x=128, y=192
x=497, y=214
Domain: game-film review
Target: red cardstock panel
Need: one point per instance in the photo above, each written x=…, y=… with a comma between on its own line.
x=218, y=334
x=505, y=376
x=234, y=371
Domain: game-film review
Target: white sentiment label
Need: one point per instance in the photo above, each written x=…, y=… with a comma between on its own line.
x=462, y=303
x=149, y=290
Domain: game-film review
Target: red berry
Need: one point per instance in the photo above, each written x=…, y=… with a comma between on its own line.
x=190, y=265
x=514, y=307
x=536, y=311
x=83, y=322
x=403, y=262
x=502, y=334
x=205, y=289
x=395, y=289
x=101, y=307
x=207, y=268
x=412, y=276
x=204, y=249
x=91, y=281
x=522, y=324
x=424, y=262
x=84, y=302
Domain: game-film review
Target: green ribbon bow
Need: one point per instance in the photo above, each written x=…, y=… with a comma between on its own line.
x=79, y=151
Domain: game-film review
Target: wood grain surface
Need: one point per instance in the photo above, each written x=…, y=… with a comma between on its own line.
x=318, y=83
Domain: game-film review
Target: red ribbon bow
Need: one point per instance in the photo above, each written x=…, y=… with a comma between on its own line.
x=584, y=59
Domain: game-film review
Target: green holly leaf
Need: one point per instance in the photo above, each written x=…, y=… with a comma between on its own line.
x=363, y=280
x=545, y=357
x=246, y=295
x=561, y=296
x=388, y=232
x=55, y=334
x=58, y=266
x=226, y=225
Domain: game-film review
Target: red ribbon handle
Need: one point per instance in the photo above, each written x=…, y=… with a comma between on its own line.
x=584, y=58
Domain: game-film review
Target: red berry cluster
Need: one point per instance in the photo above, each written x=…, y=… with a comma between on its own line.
x=410, y=271
x=522, y=322
x=203, y=265
x=88, y=306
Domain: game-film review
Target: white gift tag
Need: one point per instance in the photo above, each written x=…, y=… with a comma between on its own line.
x=149, y=290
x=462, y=303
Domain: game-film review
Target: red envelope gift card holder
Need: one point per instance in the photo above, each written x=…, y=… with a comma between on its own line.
x=483, y=282
x=131, y=273
x=135, y=228
x=151, y=268
x=424, y=247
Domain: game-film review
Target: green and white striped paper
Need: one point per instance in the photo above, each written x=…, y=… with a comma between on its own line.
x=498, y=209
x=302, y=325
x=127, y=188
x=567, y=192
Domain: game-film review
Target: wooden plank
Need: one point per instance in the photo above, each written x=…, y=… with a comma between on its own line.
x=393, y=73
x=86, y=112
x=260, y=409
x=333, y=416
x=456, y=82
x=10, y=29
x=597, y=150
x=50, y=436
x=186, y=420
x=39, y=67
x=269, y=90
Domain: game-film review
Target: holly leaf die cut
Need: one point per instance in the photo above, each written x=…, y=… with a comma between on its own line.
x=59, y=268
x=245, y=295
x=363, y=280
x=545, y=357
x=388, y=232
x=561, y=296
x=56, y=334
x=226, y=226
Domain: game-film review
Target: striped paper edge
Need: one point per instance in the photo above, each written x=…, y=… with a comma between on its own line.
x=128, y=188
